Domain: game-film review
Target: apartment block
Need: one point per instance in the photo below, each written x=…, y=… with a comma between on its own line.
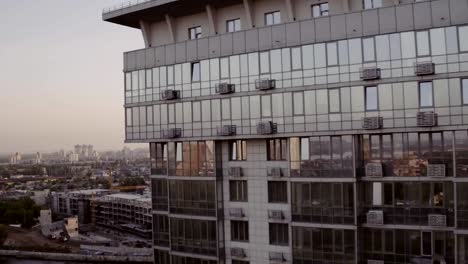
x=299, y=131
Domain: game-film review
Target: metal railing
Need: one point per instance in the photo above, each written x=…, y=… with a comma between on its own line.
x=126, y=4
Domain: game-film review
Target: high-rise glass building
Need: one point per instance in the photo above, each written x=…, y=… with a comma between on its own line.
x=300, y=131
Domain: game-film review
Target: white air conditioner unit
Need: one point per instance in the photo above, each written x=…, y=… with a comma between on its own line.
x=236, y=212
x=170, y=94
x=370, y=73
x=275, y=215
x=172, y=133
x=375, y=217
x=375, y=122
x=275, y=172
x=436, y=220
x=227, y=130
x=225, y=88
x=266, y=128
x=436, y=170
x=265, y=84
x=238, y=252
x=276, y=257
x=374, y=170
x=235, y=172
x=427, y=119
x=424, y=68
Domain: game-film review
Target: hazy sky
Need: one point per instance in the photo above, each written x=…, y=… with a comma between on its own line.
x=61, y=75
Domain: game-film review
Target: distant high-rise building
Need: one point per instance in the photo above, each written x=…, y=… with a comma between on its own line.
x=15, y=159
x=78, y=149
x=302, y=131
x=90, y=151
x=38, y=158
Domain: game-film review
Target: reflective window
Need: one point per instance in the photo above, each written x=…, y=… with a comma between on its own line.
x=298, y=104
x=254, y=106
x=343, y=52
x=465, y=91
x=286, y=59
x=226, y=109
x=320, y=55
x=308, y=56
x=275, y=58
x=149, y=115
x=463, y=38
x=279, y=234
x=196, y=72
x=170, y=75
x=369, y=4
x=224, y=68
x=371, y=98
x=272, y=18
x=149, y=79
x=334, y=98
x=195, y=32
x=266, y=105
x=205, y=70
x=129, y=117
x=425, y=94
x=196, y=112
x=382, y=47
x=277, y=192
x=238, y=191
x=296, y=59
x=128, y=81
x=234, y=65
x=155, y=77
x=253, y=64
x=233, y=25
x=355, y=51
x=408, y=49
x=319, y=10
x=240, y=231
x=214, y=69
x=332, y=53
x=438, y=41
x=264, y=62
x=277, y=149
x=422, y=40
x=369, y=49
x=238, y=150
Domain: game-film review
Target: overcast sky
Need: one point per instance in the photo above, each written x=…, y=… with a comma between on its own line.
x=61, y=75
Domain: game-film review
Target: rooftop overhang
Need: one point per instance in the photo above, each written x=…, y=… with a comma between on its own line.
x=155, y=10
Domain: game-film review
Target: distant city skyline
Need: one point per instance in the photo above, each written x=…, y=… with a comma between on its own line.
x=61, y=79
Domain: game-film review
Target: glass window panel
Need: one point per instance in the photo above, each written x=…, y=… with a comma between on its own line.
x=234, y=66
x=371, y=98
x=224, y=68
x=377, y=193
x=332, y=53
x=287, y=104
x=308, y=56
x=298, y=103
x=422, y=38
x=187, y=112
x=155, y=77
x=226, y=109
x=296, y=58
x=171, y=113
x=355, y=51
x=369, y=49
x=244, y=65
x=266, y=106
x=196, y=111
x=408, y=49
x=264, y=62
x=178, y=74
x=245, y=107
x=214, y=69
x=135, y=117
x=425, y=94
x=320, y=55
x=129, y=117
x=255, y=106
x=128, y=81
x=170, y=75
x=164, y=120
x=382, y=48
x=286, y=59
x=309, y=102
x=135, y=80
x=179, y=113
x=334, y=96
x=305, y=149
x=438, y=41
x=163, y=76
x=206, y=110
x=196, y=72
x=277, y=101
x=141, y=80
x=395, y=46
x=143, y=120
x=205, y=70
x=465, y=91
x=451, y=40
x=149, y=115
x=216, y=110
x=253, y=64
x=463, y=38
x=236, y=108
x=343, y=52
x=275, y=58
x=149, y=78
x=322, y=101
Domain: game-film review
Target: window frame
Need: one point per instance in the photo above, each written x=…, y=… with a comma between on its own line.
x=278, y=229
x=272, y=189
x=234, y=25
x=192, y=72
x=464, y=91
x=420, y=97
x=242, y=193
x=319, y=5
x=240, y=224
x=272, y=13
x=372, y=4
x=366, y=97
x=197, y=34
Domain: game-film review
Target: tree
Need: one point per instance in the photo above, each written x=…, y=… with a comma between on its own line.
x=3, y=234
x=132, y=181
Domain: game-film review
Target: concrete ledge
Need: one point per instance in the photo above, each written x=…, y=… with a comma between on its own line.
x=72, y=257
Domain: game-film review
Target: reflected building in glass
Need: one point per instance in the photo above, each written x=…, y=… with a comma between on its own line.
x=293, y=131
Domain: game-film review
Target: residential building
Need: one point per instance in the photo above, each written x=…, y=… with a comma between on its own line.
x=335, y=133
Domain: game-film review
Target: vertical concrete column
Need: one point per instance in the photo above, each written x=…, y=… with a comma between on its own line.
x=211, y=18
x=249, y=14
x=290, y=10
x=170, y=27
x=146, y=31
x=346, y=6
